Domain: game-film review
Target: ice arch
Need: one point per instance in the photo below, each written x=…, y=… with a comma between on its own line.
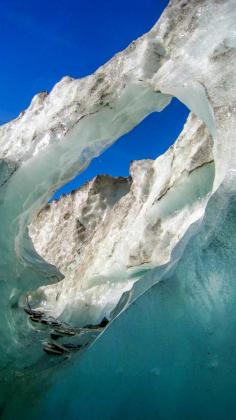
x=98, y=109
x=107, y=235
x=190, y=54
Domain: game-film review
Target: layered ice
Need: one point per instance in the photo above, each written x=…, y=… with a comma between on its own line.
x=108, y=234
x=169, y=351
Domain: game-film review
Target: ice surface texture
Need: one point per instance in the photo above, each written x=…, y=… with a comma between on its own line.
x=170, y=353
x=105, y=236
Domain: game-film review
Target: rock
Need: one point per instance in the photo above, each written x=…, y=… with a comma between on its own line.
x=63, y=331
x=104, y=322
x=53, y=348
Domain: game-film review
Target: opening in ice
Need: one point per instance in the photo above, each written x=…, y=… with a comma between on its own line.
x=149, y=139
x=85, y=236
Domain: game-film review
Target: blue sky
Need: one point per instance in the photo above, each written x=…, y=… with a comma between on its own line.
x=43, y=41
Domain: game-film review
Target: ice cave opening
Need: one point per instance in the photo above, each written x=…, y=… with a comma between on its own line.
x=68, y=232
x=148, y=140
x=170, y=235
x=164, y=198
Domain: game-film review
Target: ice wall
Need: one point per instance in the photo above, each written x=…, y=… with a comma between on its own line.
x=190, y=54
x=106, y=235
x=170, y=354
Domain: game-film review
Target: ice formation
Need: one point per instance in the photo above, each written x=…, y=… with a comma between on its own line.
x=105, y=236
x=163, y=240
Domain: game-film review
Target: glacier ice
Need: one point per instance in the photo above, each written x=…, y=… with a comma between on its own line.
x=105, y=236
x=170, y=354
x=170, y=351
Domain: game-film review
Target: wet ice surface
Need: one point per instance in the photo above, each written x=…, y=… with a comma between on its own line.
x=103, y=237
x=170, y=352
x=60, y=338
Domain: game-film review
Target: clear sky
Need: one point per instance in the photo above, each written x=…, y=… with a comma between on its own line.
x=42, y=41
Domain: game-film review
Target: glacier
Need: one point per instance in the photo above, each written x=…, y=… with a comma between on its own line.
x=106, y=235
x=156, y=250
